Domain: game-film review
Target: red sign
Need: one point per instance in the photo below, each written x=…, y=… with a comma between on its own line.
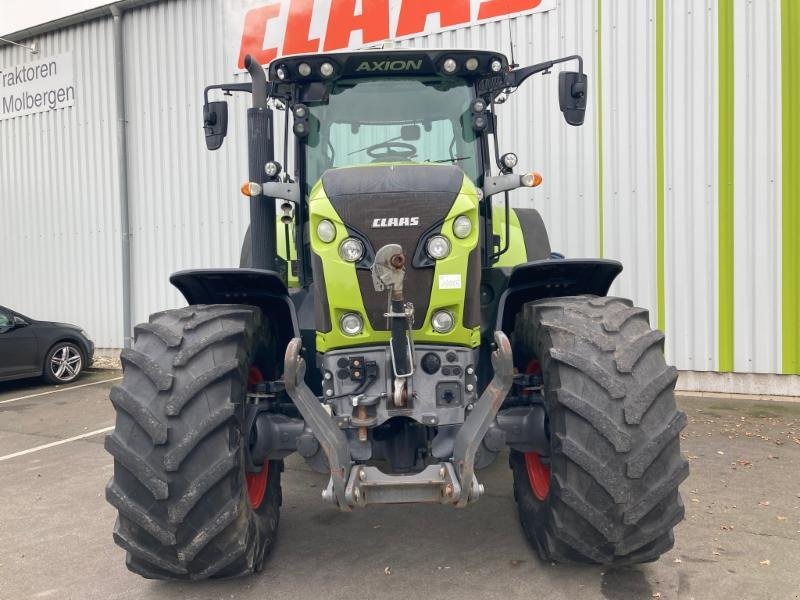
x=279, y=28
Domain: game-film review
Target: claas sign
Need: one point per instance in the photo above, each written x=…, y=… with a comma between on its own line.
x=280, y=28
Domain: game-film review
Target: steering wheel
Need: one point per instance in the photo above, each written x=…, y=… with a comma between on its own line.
x=392, y=151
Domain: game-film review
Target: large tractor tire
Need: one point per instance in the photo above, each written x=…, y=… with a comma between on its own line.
x=187, y=508
x=608, y=491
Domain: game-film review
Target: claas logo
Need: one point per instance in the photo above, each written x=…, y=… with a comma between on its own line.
x=283, y=28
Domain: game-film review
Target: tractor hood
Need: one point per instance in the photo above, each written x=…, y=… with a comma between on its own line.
x=401, y=204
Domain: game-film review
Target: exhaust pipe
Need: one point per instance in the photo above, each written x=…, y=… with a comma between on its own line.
x=260, y=150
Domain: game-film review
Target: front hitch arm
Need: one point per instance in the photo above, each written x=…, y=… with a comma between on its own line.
x=477, y=423
x=330, y=437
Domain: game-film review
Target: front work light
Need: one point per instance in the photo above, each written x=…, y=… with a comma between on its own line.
x=351, y=324
x=450, y=65
x=326, y=231
x=272, y=169
x=509, y=160
x=326, y=69
x=462, y=226
x=442, y=321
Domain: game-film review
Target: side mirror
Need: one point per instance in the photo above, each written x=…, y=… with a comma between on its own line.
x=572, y=89
x=20, y=322
x=215, y=123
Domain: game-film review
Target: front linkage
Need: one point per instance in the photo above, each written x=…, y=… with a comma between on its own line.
x=447, y=482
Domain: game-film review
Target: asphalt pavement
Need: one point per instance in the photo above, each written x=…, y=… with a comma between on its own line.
x=741, y=537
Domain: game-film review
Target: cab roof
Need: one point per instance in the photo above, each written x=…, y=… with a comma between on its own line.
x=406, y=62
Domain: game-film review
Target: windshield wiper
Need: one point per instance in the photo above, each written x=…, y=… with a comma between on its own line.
x=444, y=160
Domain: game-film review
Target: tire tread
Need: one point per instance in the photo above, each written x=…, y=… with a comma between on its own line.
x=615, y=459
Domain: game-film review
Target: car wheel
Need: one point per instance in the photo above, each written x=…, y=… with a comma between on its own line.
x=63, y=363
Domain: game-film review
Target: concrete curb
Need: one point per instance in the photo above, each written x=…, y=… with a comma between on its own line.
x=729, y=396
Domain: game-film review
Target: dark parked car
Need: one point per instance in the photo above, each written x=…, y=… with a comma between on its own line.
x=29, y=348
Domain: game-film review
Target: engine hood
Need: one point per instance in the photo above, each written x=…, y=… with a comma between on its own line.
x=401, y=204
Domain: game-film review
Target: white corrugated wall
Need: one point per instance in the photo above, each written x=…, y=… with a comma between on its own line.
x=187, y=212
x=691, y=183
x=59, y=213
x=757, y=186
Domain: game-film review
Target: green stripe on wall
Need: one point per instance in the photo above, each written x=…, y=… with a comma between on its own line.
x=660, y=164
x=790, y=86
x=725, y=185
x=600, y=120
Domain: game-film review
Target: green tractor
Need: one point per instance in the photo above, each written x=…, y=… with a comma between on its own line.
x=396, y=323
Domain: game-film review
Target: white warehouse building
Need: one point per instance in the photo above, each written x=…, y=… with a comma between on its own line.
x=687, y=168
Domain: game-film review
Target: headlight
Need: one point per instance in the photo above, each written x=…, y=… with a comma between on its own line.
x=351, y=324
x=300, y=111
x=326, y=231
x=326, y=69
x=471, y=64
x=304, y=69
x=438, y=247
x=462, y=226
x=496, y=66
x=478, y=105
x=442, y=321
x=509, y=160
x=450, y=65
x=351, y=249
x=272, y=169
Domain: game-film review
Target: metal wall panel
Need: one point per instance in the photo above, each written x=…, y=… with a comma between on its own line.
x=628, y=73
x=187, y=211
x=691, y=183
x=757, y=187
x=60, y=245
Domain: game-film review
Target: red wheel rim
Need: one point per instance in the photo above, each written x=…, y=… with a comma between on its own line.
x=257, y=485
x=256, y=482
x=538, y=475
x=532, y=367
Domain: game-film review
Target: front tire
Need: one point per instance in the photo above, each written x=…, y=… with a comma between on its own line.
x=608, y=490
x=187, y=508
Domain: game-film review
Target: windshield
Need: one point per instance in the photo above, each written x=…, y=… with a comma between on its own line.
x=423, y=120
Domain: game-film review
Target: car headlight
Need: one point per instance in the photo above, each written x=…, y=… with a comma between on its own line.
x=462, y=226
x=326, y=231
x=351, y=324
x=438, y=247
x=442, y=321
x=351, y=249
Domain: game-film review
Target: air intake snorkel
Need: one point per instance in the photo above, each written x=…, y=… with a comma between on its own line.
x=260, y=150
